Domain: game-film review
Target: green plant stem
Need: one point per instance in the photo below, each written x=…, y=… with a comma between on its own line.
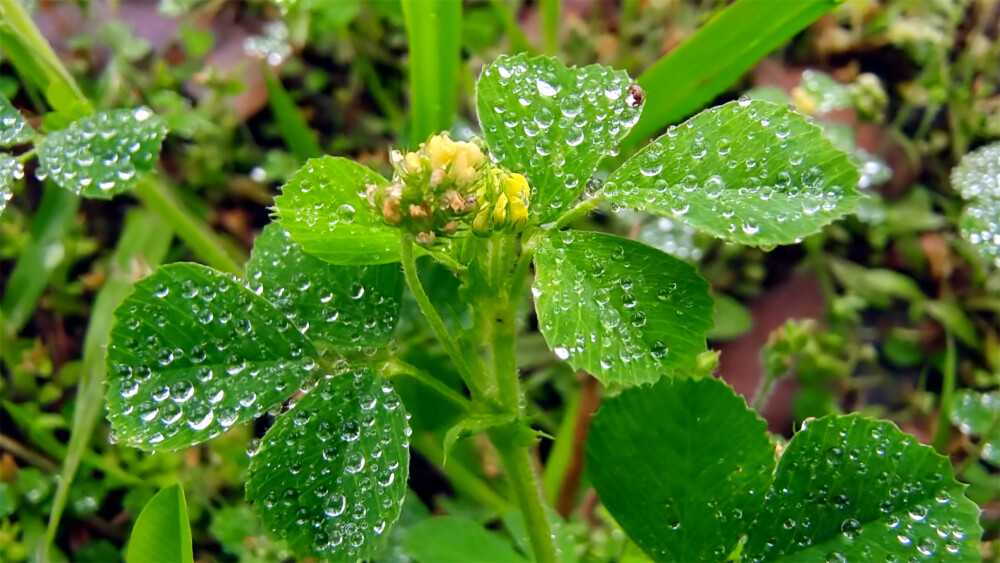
x=158, y=197
x=395, y=366
x=518, y=41
x=943, y=432
x=514, y=456
x=473, y=377
x=525, y=484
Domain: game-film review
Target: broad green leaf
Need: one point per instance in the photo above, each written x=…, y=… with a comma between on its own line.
x=330, y=475
x=623, y=311
x=434, y=36
x=878, y=286
x=162, y=532
x=732, y=319
x=854, y=489
x=681, y=466
x=450, y=539
x=712, y=59
x=749, y=171
x=977, y=178
x=10, y=171
x=194, y=352
x=978, y=414
x=336, y=306
x=553, y=124
x=14, y=129
x=103, y=155
x=326, y=211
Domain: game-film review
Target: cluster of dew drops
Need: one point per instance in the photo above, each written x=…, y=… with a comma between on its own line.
x=620, y=342
x=908, y=514
x=358, y=502
x=686, y=151
x=978, y=180
x=324, y=213
x=554, y=115
x=206, y=397
x=362, y=310
x=104, y=150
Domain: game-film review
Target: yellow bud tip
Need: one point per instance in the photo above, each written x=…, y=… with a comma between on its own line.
x=412, y=163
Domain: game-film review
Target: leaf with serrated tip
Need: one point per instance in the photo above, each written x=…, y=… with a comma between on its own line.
x=750, y=172
x=678, y=464
x=325, y=208
x=194, y=352
x=330, y=475
x=626, y=312
x=848, y=488
x=102, y=155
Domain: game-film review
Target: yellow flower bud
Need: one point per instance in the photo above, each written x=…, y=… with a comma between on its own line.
x=500, y=209
x=440, y=150
x=413, y=163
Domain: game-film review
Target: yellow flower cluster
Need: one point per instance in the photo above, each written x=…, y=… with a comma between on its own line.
x=507, y=210
x=438, y=187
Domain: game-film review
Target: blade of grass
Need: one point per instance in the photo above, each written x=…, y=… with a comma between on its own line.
x=943, y=432
x=518, y=41
x=434, y=31
x=40, y=258
x=142, y=246
x=551, y=14
x=34, y=56
x=299, y=137
x=703, y=66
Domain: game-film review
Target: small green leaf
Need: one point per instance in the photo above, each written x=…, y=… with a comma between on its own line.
x=681, y=466
x=14, y=128
x=623, y=311
x=330, y=475
x=878, y=286
x=103, y=155
x=194, y=352
x=732, y=319
x=553, y=123
x=977, y=178
x=338, y=306
x=750, y=172
x=450, y=539
x=10, y=171
x=162, y=532
x=475, y=423
x=325, y=209
x=978, y=414
x=854, y=489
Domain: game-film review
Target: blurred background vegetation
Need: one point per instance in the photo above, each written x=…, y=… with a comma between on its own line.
x=889, y=313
